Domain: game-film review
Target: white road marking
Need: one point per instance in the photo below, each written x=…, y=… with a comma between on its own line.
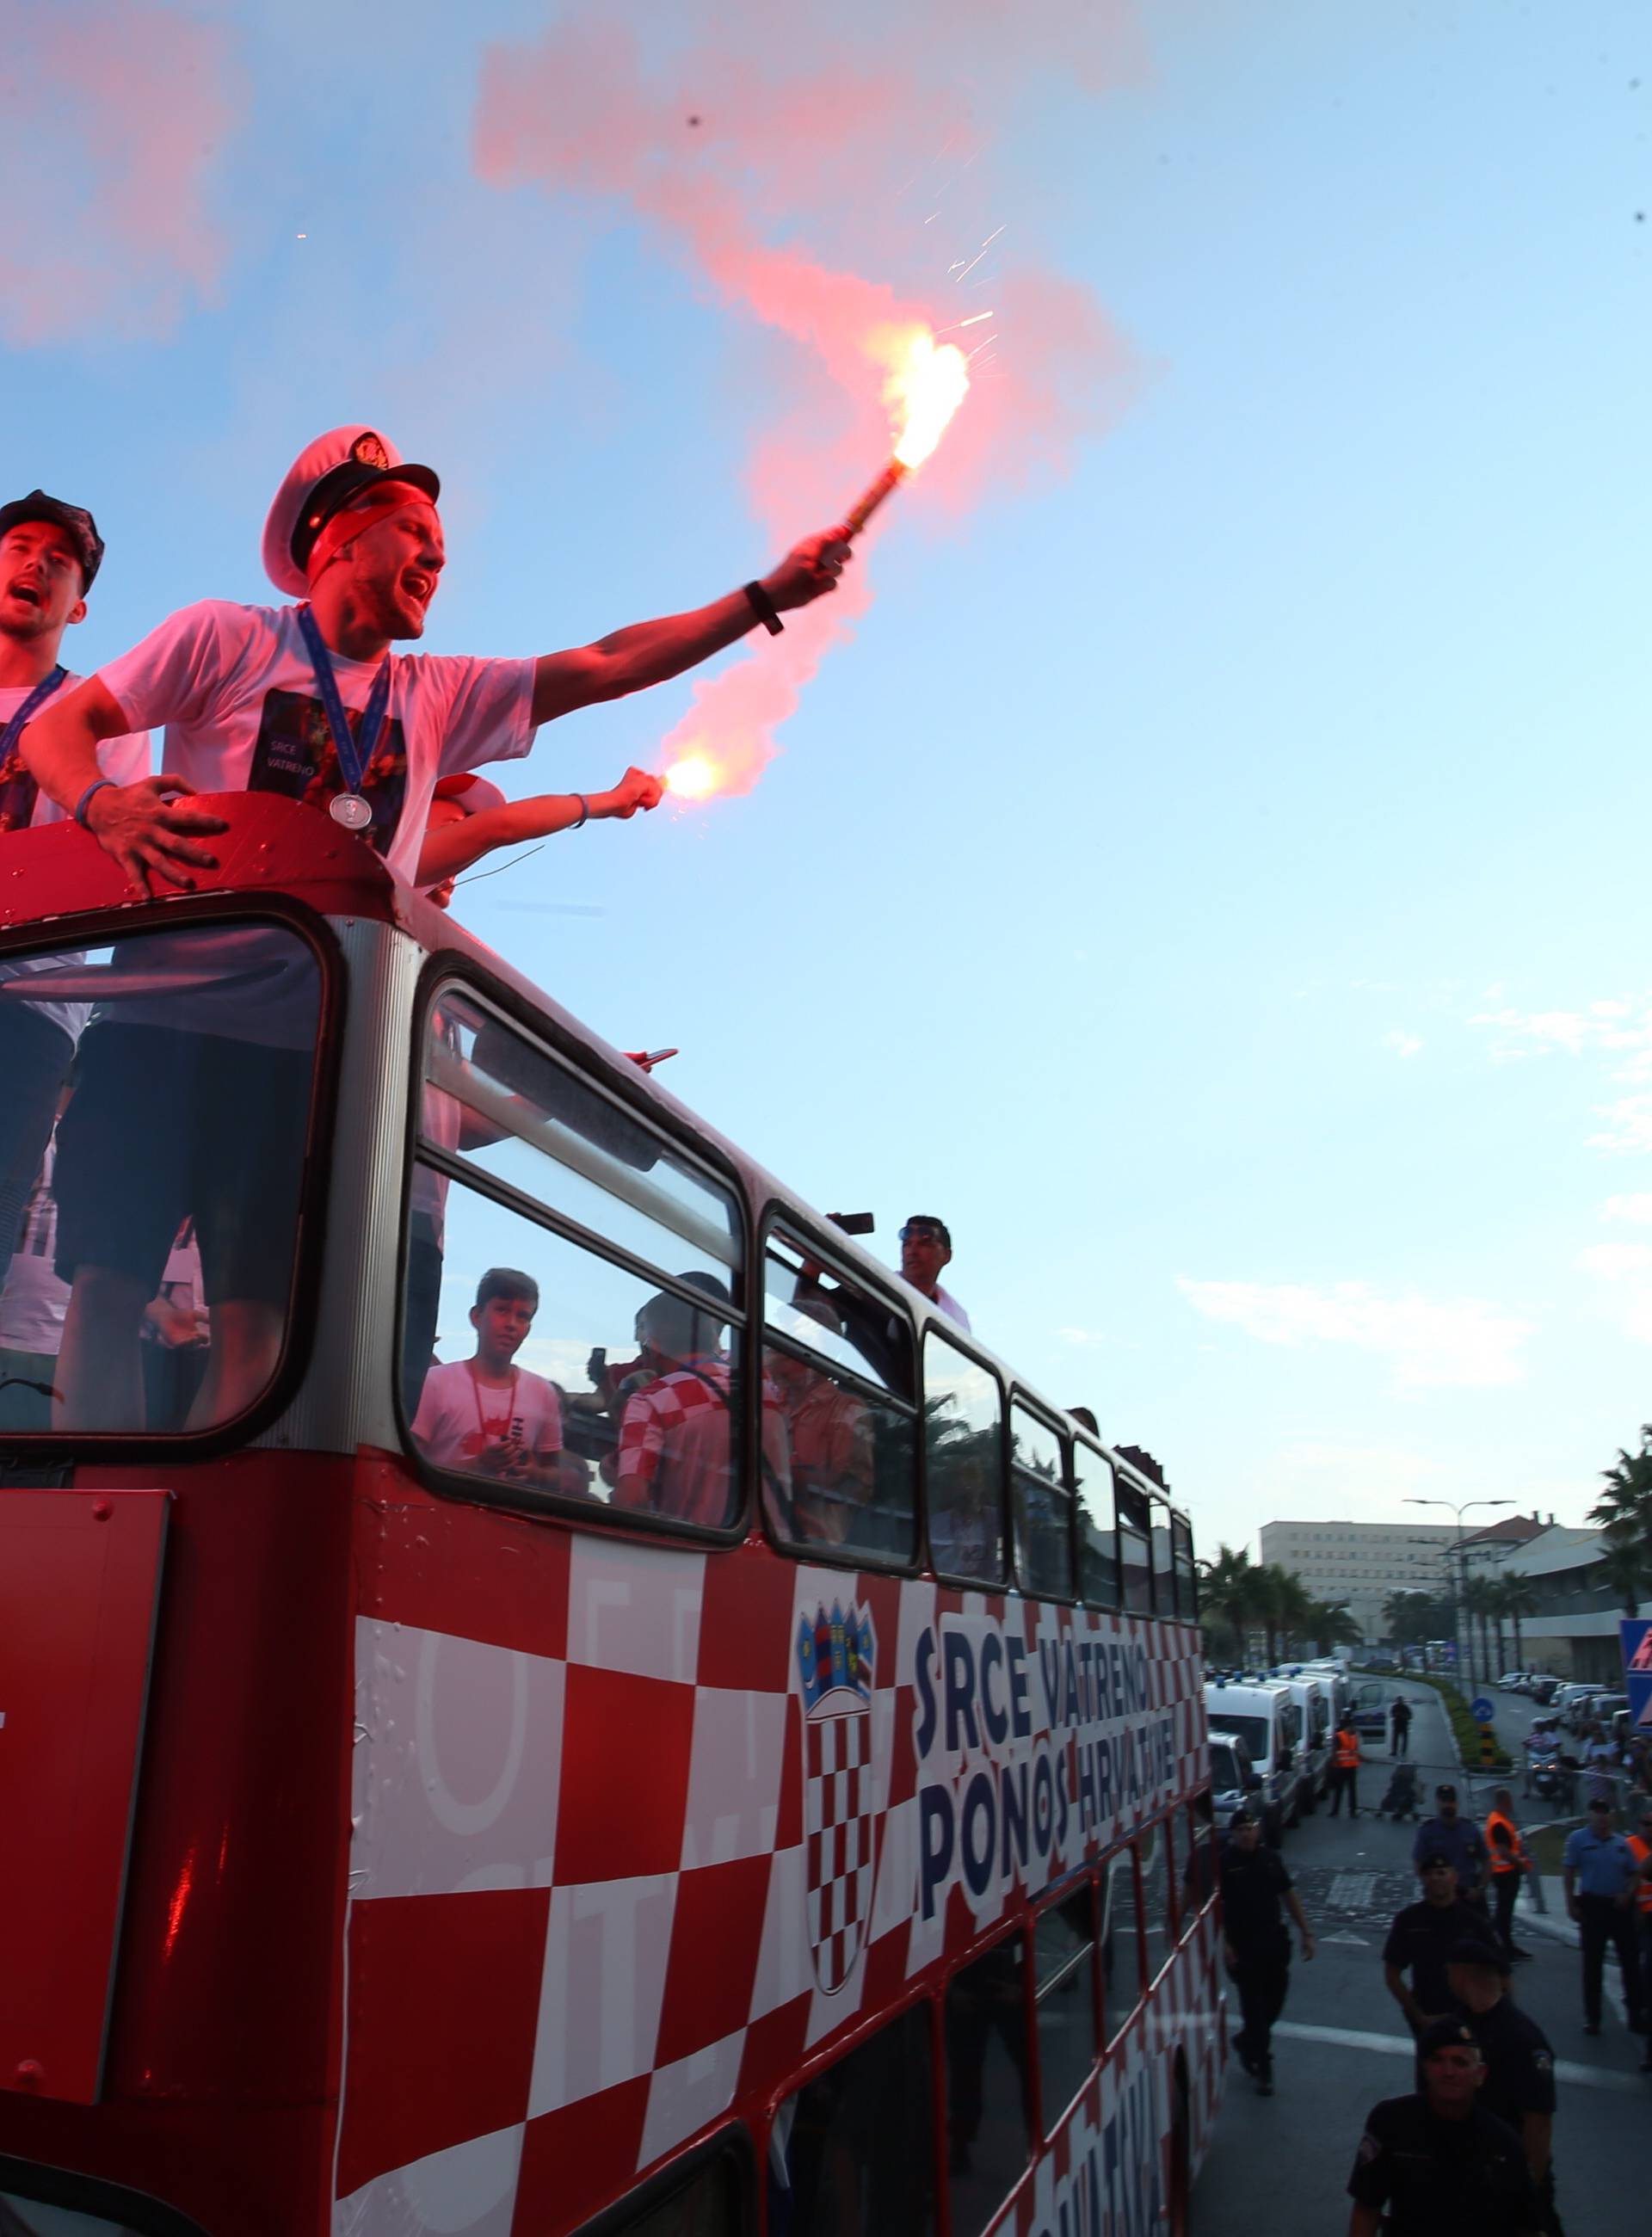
x=1585, y=2077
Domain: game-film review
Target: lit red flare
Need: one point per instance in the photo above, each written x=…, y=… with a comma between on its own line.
x=926, y=382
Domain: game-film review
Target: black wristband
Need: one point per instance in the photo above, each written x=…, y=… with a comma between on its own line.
x=763, y=606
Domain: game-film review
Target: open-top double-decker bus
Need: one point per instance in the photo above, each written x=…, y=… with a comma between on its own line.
x=767, y=1796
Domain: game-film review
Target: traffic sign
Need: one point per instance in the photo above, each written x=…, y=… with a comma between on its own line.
x=1482, y=1710
x=1635, y=1633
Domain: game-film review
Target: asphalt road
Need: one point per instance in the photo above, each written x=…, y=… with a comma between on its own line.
x=1281, y=2165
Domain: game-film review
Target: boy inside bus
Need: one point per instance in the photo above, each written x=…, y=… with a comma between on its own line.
x=485, y=1415
x=675, y=1435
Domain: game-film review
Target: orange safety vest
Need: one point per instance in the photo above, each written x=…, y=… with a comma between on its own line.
x=1347, y=1749
x=1513, y=1859
x=1642, y=1850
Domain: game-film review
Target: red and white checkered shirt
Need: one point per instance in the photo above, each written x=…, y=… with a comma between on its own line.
x=675, y=1439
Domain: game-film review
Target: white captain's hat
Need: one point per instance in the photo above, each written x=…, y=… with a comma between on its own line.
x=335, y=472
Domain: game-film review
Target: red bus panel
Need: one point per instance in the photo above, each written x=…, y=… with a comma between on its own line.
x=80, y=1578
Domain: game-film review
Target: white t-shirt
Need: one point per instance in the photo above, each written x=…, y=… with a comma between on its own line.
x=234, y=687
x=459, y=1417
x=126, y=760
x=952, y=1309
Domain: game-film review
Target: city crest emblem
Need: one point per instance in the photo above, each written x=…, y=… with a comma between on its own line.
x=836, y=1662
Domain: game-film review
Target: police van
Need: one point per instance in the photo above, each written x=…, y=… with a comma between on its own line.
x=1314, y=1694
x=1263, y=1715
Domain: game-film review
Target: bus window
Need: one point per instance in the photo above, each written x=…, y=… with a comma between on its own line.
x=839, y=1361
x=1122, y=1973
x=1064, y=1946
x=988, y=2130
x=854, y=2150
x=1181, y=1555
x=708, y=2201
x=1164, y=1576
x=1135, y=1559
x=1203, y=1854
x=963, y=1441
x=1098, y=1547
x=1043, y=1505
x=1158, y=1896
x=165, y=1197
x=536, y=1358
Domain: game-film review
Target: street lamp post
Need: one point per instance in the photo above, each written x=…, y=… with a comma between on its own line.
x=1465, y=1628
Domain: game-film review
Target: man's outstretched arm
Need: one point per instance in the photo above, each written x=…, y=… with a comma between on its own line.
x=136, y=824
x=652, y=652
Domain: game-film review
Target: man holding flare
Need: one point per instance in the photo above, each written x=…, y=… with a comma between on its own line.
x=255, y=698
x=310, y=701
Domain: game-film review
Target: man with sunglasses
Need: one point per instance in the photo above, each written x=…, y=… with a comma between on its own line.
x=1438, y=2163
x=926, y=1248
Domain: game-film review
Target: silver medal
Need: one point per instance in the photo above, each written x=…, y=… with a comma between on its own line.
x=351, y=810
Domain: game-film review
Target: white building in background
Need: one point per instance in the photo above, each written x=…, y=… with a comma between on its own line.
x=1362, y=1563
x=1572, y=1630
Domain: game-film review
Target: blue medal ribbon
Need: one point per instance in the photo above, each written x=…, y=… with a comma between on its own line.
x=355, y=753
x=15, y=730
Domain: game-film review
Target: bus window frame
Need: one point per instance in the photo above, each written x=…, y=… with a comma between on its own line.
x=1126, y=1487
x=1045, y=1415
x=38, y=2184
x=1181, y=1534
x=445, y=968
x=1050, y=1898
x=1110, y=2033
x=1097, y=1452
x=20, y=1449
x=796, y=1228
x=937, y=1327
x=732, y=2141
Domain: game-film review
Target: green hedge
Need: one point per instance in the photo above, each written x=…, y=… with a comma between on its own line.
x=1467, y=1731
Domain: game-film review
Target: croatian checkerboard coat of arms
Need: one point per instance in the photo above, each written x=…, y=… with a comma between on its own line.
x=836, y=1651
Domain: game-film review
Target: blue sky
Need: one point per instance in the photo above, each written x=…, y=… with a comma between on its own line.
x=1210, y=872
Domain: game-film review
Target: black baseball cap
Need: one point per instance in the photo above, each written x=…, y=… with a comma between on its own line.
x=1241, y=1817
x=1446, y=2035
x=1427, y=1862
x=1446, y=1791
x=74, y=519
x=1599, y=1802
x=1469, y=1950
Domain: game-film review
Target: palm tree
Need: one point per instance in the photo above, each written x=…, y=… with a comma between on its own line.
x=1628, y=1569
x=1477, y=1600
x=1624, y=1508
x=1328, y=1624
x=1228, y=1600
x=1519, y=1597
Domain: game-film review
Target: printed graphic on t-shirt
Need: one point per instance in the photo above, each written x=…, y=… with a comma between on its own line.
x=295, y=754
x=19, y=793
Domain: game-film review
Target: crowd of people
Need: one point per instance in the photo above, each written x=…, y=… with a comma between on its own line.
x=1473, y=2144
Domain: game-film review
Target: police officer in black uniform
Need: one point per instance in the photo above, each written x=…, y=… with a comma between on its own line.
x=1420, y=1939
x=1256, y=1891
x=1437, y=2164
x=1519, y=2063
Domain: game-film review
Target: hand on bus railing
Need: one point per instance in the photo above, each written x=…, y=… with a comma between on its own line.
x=147, y=834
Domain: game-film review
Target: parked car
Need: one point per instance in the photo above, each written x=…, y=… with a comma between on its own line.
x=1543, y=1689
x=1565, y=1696
x=1604, y=1707
x=1270, y=1724
x=1512, y=1681
x=1367, y=1708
